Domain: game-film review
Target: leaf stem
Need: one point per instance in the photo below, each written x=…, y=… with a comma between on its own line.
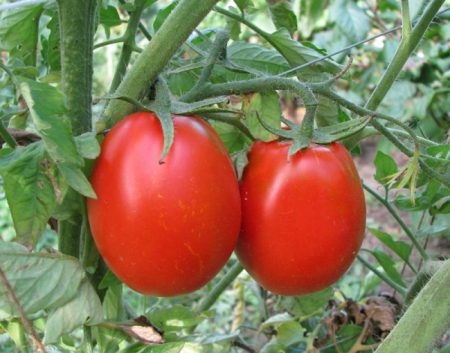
x=109, y=42
x=399, y=220
x=129, y=44
x=407, y=45
x=22, y=315
x=223, y=283
x=406, y=19
x=380, y=274
x=170, y=36
x=217, y=49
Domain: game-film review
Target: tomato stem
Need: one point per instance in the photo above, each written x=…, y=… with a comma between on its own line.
x=218, y=289
x=173, y=32
x=407, y=45
x=382, y=276
x=402, y=224
x=217, y=49
x=128, y=44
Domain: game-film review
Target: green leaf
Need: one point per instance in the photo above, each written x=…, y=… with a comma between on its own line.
x=282, y=15
x=327, y=112
x=402, y=249
x=243, y=4
x=46, y=105
x=84, y=308
x=232, y=138
x=251, y=55
x=267, y=105
x=77, y=180
x=174, y=318
x=19, y=29
x=350, y=18
x=388, y=266
x=290, y=333
x=306, y=305
x=297, y=54
x=87, y=145
x=109, y=17
x=33, y=187
x=51, y=46
x=434, y=231
x=277, y=320
x=385, y=167
x=162, y=15
x=310, y=14
x=40, y=281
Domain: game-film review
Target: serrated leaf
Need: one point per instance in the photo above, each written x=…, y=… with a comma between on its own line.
x=33, y=187
x=351, y=19
x=277, y=320
x=109, y=17
x=19, y=30
x=87, y=145
x=282, y=15
x=46, y=105
x=310, y=13
x=297, y=54
x=385, y=167
x=51, y=47
x=257, y=57
x=174, y=318
x=39, y=281
x=267, y=106
x=388, y=266
x=243, y=4
x=306, y=305
x=77, y=180
x=402, y=249
x=162, y=15
x=232, y=138
x=84, y=308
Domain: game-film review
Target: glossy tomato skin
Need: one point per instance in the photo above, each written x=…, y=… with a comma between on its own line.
x=303, y=220
x=164, y=229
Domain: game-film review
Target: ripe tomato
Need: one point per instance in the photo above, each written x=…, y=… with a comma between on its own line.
x=164, y=229
x=303, y=220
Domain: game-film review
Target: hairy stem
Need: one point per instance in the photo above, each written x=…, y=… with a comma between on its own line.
x=224, y=282
x=128, y=44
x=402, y=224
x=407, y=45
x=426, y=320
x=170, y=36
x=77, y=20
x=22, y=315
x=380, y=274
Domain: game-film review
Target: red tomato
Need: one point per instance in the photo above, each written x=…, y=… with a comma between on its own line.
x=303, y=220
x=164, y=229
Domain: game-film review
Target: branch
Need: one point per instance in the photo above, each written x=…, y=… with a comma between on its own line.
x=23, y=317
x=224, y=282
x=407, y=45
x=383, y=277
x=402, y=224
x=173, y=32
x=406, y=20
x=128, y=44
x=6, y=136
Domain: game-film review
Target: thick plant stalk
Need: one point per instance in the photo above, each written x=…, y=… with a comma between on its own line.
x=174, y=31
x=76, y=20
x=426, y=320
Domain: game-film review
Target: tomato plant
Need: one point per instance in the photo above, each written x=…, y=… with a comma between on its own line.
x=303, y=218
x=164, y=228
